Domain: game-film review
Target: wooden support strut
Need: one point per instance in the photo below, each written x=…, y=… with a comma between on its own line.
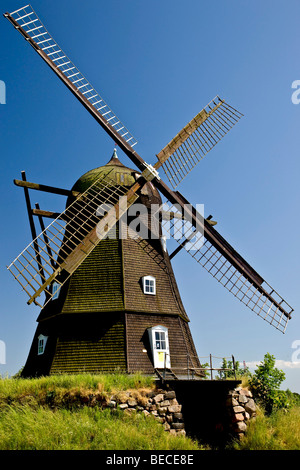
x=32, y=229
x=48, y=189
x=48, y=214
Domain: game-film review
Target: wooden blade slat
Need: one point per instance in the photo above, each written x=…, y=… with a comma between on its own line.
x=253, y=291
x=196, y=139
x=26, y=21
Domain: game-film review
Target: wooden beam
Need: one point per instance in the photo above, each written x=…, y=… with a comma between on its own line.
x=179, y=248
x=48, y=214
x=48, y=189
x=32, y=228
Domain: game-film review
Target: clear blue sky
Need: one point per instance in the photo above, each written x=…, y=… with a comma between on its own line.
x=157, y=64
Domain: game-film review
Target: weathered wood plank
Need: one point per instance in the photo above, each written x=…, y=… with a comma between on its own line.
x=48, y=189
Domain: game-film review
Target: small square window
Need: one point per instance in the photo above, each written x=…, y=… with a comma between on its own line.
x=149, y=285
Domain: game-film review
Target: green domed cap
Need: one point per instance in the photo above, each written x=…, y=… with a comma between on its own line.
x=118, y=173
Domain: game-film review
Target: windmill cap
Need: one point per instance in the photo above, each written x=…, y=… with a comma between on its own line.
x=118, y=173
x=115, y=160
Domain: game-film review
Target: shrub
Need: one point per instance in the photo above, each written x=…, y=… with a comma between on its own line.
x=265, y=383
x=235, y=370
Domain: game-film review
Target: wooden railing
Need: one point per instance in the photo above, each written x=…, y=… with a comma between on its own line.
x=192, y=371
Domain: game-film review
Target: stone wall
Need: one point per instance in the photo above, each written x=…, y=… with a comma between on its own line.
x=241, y=408
x=160, y=404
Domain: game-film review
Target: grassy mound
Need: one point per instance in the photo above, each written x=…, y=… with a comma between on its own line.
x=70, y=413
x=24, y=428
x=280, y=431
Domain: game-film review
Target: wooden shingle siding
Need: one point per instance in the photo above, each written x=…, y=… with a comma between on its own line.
x=145, y=258
x=81, y=353
x=137, y=340
x=37, y=365
x=97, y=285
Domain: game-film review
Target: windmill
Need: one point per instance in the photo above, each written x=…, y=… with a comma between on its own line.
x=51, y=262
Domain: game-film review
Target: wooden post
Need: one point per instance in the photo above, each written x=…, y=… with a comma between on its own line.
x=211, y=370
x=233, y=363
x=32, y=229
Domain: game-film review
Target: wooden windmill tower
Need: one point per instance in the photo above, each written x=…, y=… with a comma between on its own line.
x=111, y=299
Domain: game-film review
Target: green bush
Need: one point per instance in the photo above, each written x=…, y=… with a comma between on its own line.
x=235, y=370
x=265, y=384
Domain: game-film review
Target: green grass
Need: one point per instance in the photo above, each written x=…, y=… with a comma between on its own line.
x=68, y=390
x=107, y=382
x=51, y=413
x=22, y=428
x=66, y=412
x=280, y=431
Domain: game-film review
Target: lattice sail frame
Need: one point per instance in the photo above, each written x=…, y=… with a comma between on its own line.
x=67, y=241
x=196, y=139
x=261, y=299
x=28, y=20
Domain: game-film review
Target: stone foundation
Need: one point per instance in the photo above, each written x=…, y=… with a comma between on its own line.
x=235, y=414
x=160, y=404
x=241, y=408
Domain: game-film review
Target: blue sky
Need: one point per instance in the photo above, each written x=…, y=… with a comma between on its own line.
x=157, y=64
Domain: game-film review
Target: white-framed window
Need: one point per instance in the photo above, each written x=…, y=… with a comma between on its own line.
x=55, y=290
x=149, y=285
x=160, y=340
x=42, y=340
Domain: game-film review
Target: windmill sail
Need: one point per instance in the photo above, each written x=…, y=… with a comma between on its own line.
x=30, y=26
x=182, y=154
x=196, y=139
x=226, y=266
x=68, y=240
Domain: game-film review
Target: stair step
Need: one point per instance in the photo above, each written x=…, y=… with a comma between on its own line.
x=166, y=374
